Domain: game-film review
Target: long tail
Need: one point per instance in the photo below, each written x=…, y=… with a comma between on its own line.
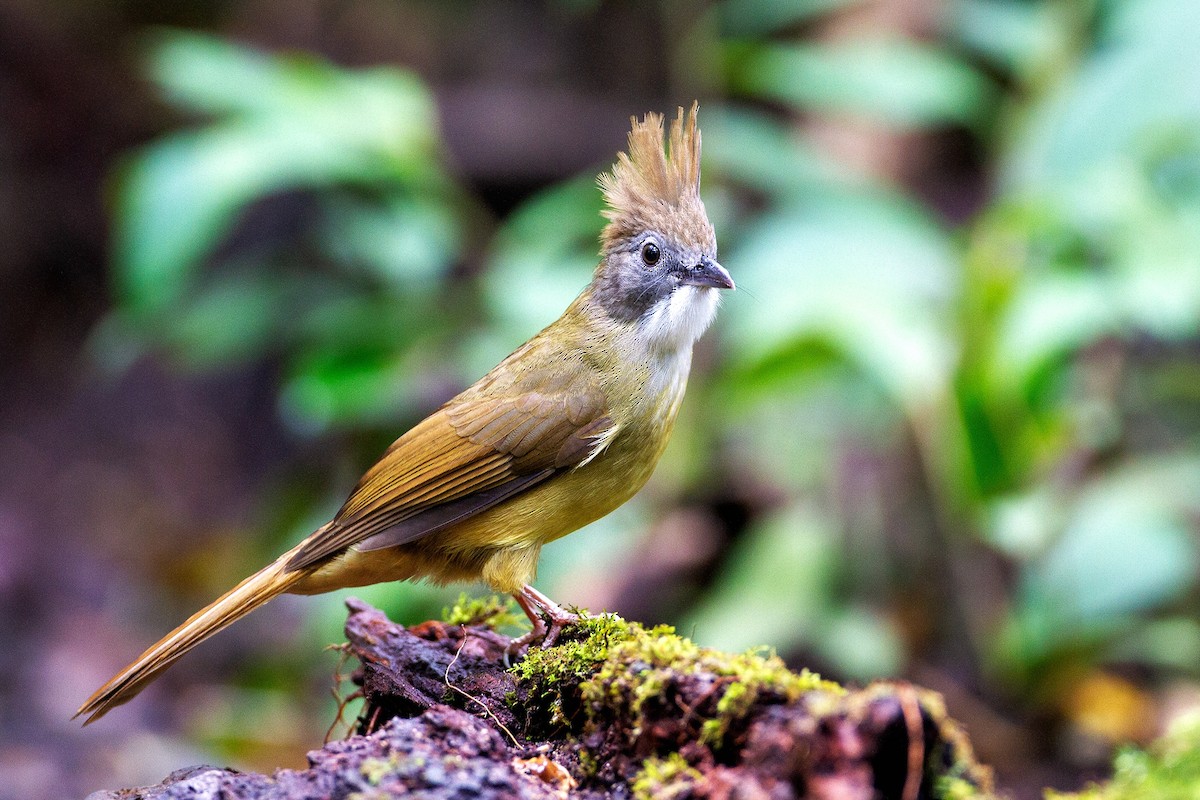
x=248, y=595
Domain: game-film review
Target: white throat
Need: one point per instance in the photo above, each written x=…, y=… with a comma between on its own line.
x=676, y=322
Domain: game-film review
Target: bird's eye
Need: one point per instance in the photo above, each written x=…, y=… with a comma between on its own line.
x=650, y=254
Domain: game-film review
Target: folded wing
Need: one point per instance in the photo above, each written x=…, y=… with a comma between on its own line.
x=471, y=455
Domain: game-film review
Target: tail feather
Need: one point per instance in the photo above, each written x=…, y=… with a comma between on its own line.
x=248, y=595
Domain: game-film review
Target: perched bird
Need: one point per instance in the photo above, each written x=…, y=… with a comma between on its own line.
x=557, y=435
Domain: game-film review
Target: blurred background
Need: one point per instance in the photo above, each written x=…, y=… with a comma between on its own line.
x=946, y=430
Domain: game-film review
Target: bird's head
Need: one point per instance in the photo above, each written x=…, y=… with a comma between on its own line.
x=659, y=269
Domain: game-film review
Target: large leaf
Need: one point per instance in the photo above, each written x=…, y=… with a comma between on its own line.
x=179, y=196
x=776, y=588
x=1125, y=547
x=892, y=80
x=331, y=387
x=872, y=275
x=213, y=76
x=756, y=17
x=1135, y=89
x=544, y=255
x=408, y=240
x=1135, y=270
x=1016, y=36
x=765, y=153
x=1048, y=319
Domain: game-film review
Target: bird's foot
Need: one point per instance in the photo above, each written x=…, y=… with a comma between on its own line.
x=540, y=609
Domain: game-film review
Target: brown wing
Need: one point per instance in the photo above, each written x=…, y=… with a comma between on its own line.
x=470, y=455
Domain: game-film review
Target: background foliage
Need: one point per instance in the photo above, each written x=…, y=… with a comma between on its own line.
x=946, y=429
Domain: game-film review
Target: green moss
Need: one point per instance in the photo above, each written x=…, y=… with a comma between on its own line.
x=665, y=778
x=617, y=667
x=621, y=679
x=962, y=777
x=1168, y=770
x=583, y=648
x=493, y=611
x=589, y=767
x=638, y=669
x=374, y=770
x=952, y=787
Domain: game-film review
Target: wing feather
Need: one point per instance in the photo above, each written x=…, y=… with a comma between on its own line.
x=473, y=453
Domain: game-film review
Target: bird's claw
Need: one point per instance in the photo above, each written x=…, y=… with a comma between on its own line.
x=543, y=634
x=539, y=609
x=557, y=623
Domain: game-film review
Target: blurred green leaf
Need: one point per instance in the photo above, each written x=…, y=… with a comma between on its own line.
x=861, y=644
x=1089, y=576
x=328, y=388
x=872, y=275
x=762, y=152
x=1139, y=86
x=893, y=80
x=405, y=239
x=544, y=255
x=1138, y=23
x=1013, y=35
x=1048, y=319
x=1172, y=643
x=1125, y=547
x=233, y=321
x=1024, y=525
x=776, y=586
x=180, y=195
x=1110, y=257
x=756, y=17
x=213, y=76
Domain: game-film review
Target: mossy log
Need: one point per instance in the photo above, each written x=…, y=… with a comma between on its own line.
x=613, y=710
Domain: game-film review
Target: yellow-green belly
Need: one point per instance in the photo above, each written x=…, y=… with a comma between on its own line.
x=501, y=545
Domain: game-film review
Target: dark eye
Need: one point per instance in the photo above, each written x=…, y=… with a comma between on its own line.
x=650, y=254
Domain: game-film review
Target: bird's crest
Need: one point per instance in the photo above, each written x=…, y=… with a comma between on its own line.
x=657, y=190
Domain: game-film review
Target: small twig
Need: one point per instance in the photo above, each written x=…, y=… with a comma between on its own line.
x=690, y=710
x=370, y=724
x=335, y=690
x=476, y=700
x=916, y=742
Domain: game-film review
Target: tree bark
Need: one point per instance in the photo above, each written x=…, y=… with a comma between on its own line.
x=612, y=711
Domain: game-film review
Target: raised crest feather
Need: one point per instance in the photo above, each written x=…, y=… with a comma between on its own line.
x=650, y=189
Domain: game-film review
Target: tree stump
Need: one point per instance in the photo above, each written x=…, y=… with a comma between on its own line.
x=613, y=710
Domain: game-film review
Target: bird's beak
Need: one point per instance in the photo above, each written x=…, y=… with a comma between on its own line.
x=707, y=273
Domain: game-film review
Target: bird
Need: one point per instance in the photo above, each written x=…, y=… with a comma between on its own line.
x=560, y=433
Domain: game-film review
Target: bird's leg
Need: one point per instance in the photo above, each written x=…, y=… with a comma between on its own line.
x=536, y=606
